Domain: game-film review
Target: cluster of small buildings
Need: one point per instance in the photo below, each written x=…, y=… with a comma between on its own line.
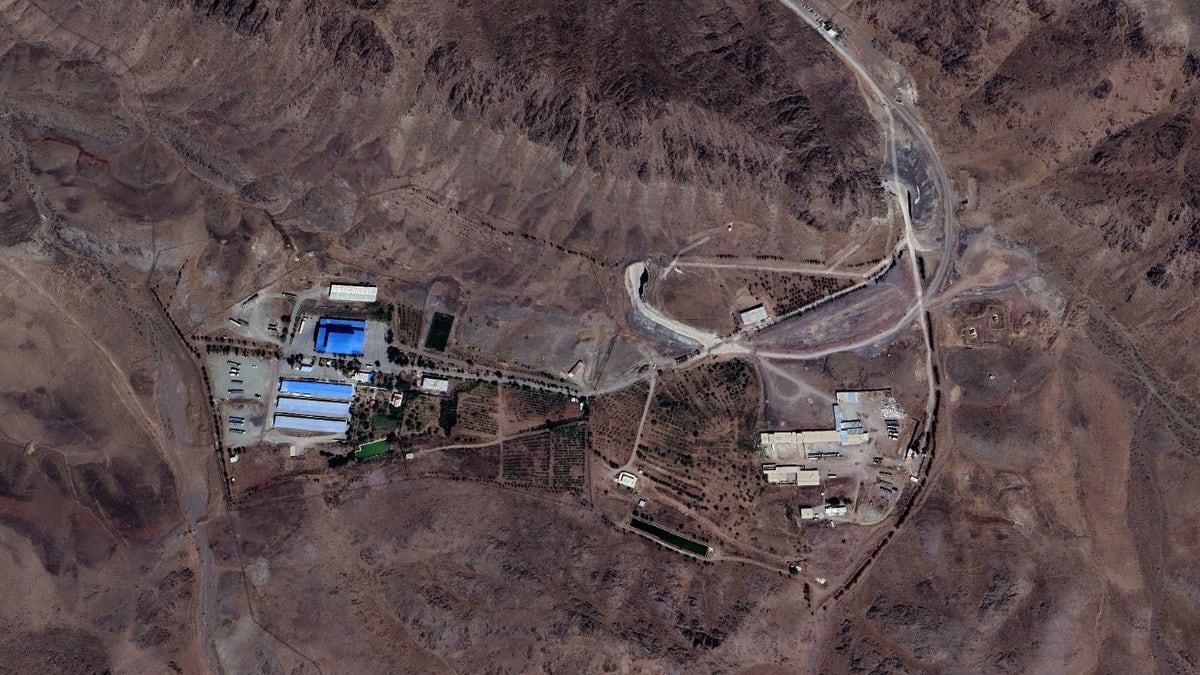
x=814, y=444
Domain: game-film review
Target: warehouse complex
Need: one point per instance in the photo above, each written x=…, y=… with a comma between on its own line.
x=309, y=405
x=856, y=414
x=820, y=443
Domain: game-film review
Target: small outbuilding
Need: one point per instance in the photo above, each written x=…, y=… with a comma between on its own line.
x=753, y=315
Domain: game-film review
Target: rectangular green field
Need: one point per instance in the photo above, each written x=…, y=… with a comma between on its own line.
x=371, y=449
x=439, y=331
x=668, y=537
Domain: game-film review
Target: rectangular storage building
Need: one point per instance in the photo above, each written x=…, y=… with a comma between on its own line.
x=353, y=293
x=436, y=385
x=791, y=475
x=283, y=421
x=340, y=336
x=315, y=389
x=313, y=406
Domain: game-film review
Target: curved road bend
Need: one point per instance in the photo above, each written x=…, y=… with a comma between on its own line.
x=633, y=282
x=910, y=123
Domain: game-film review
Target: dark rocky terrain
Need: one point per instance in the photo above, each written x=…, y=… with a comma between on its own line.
x=162, y=159
x=1053, y=539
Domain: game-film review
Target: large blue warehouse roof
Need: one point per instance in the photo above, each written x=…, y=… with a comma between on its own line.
x=316, y=389
x=340, y=336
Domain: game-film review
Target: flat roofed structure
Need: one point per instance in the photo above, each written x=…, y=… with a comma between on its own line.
x=353, y=293
x=627, y=479
x=297, y=423
x=753, y=315
x=819, y=436
x=314, y=389
x=782, y=444
x=314, y=406
x=823, y=436
x=437, y=385
x=790, y=474
x=340, y=336
x=808, y=513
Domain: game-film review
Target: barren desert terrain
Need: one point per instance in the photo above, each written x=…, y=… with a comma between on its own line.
x=373, y=336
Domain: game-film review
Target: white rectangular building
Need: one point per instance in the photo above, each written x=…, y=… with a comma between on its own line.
x=753, y=315
x=435, y=385
x=353, y=293
x=283, y=421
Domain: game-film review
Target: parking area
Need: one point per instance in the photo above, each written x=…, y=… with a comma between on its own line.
x=241, y=387
x=264, y=317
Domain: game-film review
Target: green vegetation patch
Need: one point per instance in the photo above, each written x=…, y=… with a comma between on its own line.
x=439, y=331
x=668, y=537
x=448, y=414
x=384, y=422
x=371, y=449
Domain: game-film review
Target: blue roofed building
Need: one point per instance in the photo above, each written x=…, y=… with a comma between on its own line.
x=314, y=389
x=340, y=336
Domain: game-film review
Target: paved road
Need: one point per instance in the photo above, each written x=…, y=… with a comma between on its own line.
x=914, y=127
x=909, y=240
x=788, y=268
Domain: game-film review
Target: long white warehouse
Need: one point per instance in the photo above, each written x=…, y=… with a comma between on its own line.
x=353, y=293
x=310, y=424
x=313, y=406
